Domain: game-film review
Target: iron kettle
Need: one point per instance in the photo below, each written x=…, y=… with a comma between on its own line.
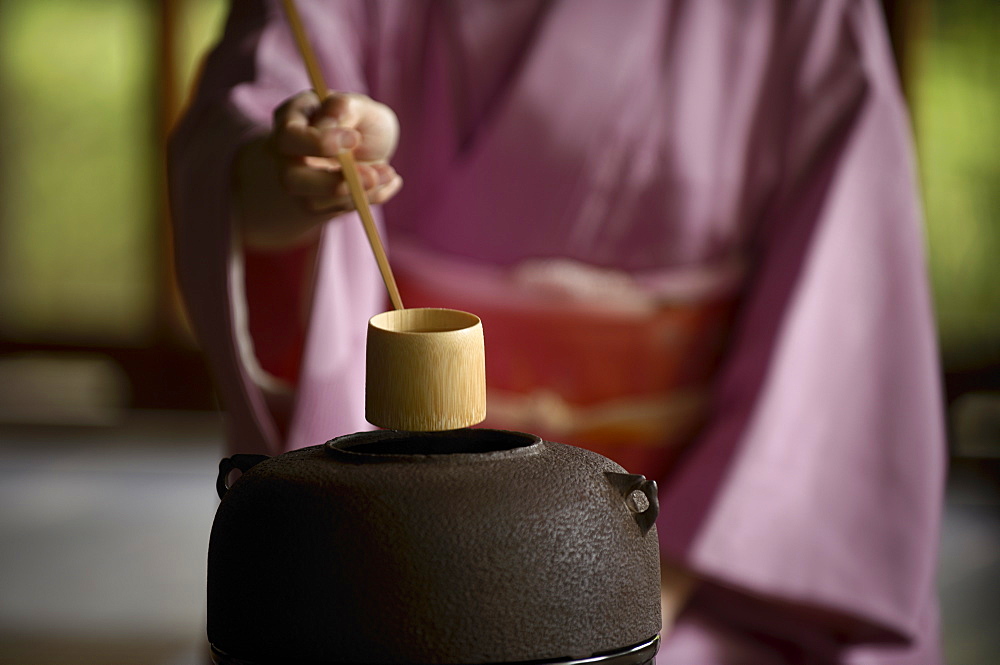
x=466, y=546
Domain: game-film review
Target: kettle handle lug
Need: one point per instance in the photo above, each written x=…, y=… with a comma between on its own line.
x=647, y=518
x=626, y=484
x=242, y=462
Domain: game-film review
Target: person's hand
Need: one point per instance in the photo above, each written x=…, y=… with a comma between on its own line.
x=307, y=136
x=289, y=183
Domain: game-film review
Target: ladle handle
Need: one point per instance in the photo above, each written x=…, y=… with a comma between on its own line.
x=345, y=157
x=305, y=50
x=368, y=222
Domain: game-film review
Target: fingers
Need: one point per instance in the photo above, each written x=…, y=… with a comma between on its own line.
x=376, y=124
x=322, y=189
x=312, y=179
x=343, y=109
x=304, y=126
x=294, y=141
x=296, y=135
x=383, y=193
x=309, y=133
x=335, y=205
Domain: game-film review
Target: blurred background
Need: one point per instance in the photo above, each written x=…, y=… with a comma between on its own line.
x=109, y=430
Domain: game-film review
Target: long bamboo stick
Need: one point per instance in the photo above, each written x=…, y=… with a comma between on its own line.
x=345, y=157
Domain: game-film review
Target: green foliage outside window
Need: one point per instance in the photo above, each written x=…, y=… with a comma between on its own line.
x=956, y=100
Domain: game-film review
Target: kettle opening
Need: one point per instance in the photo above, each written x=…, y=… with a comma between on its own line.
x=452, y=442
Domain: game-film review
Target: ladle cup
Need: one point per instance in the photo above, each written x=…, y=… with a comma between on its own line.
x=425, y=370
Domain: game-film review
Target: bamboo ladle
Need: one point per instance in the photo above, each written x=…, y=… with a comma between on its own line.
x=345, y=157
x=425, y=368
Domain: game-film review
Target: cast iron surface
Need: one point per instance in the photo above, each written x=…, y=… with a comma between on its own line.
x=475, y=546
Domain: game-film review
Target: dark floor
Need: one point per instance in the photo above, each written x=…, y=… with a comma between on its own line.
x=969, y=572
x=104, y=530
x=103, y=541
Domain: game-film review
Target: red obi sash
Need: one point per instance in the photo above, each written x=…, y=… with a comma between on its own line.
x=617, y=363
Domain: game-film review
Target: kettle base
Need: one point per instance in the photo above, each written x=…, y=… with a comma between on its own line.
x=639, y=654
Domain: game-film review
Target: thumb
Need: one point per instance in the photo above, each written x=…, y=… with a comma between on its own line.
x=376, y=124
x=339, y=110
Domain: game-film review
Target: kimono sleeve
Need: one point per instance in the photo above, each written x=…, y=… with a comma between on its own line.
x=811, y=504
x=249, y=73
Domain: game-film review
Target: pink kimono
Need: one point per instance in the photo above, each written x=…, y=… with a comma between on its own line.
x=687, y=151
